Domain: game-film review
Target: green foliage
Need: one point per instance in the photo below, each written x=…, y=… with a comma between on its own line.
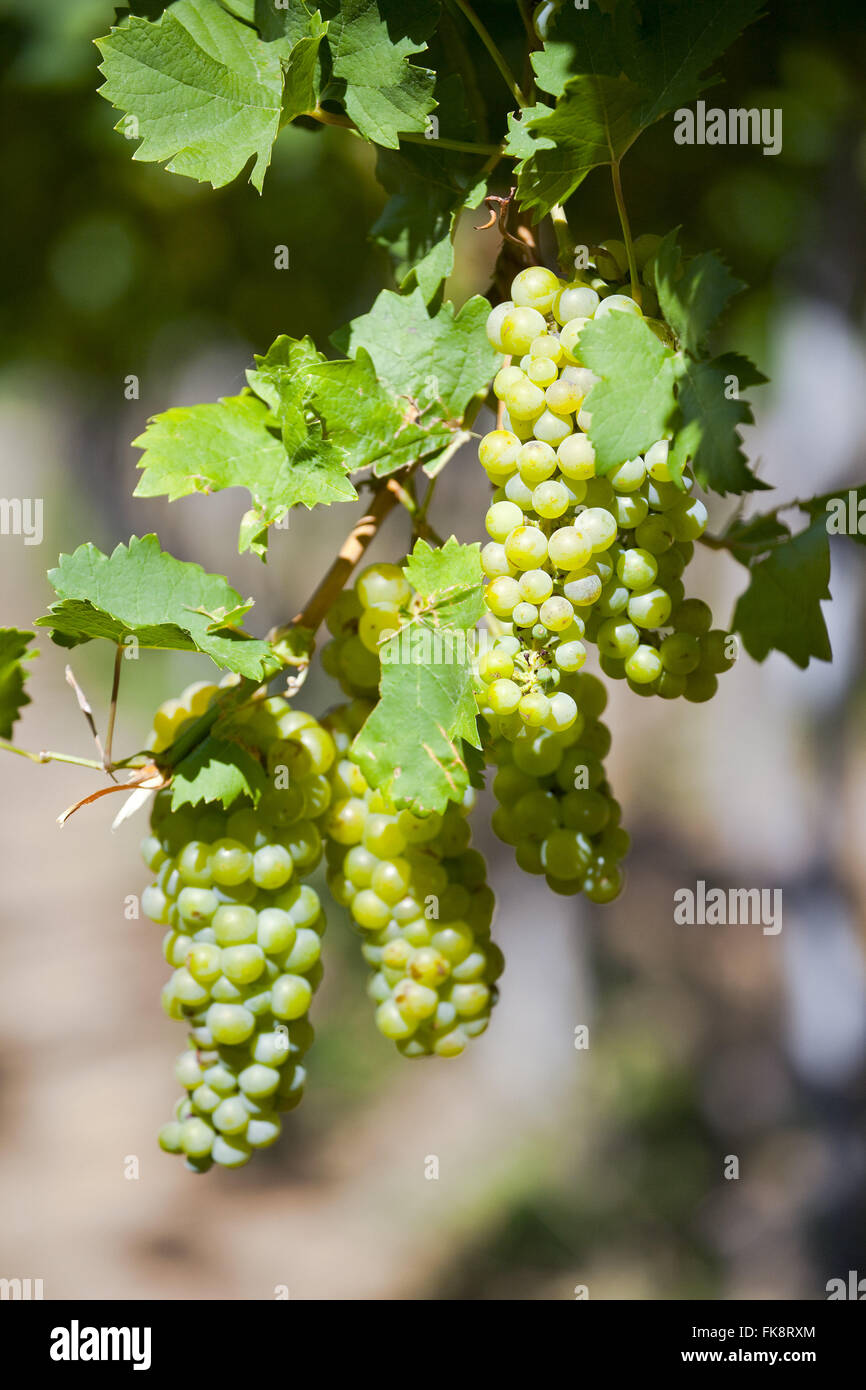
x=202, y=88
x=634, y=400
x=371, y=42
x=13, y=674
x=217, y=770
x=412, y=745
x=142, y=592
x=614, y=74
x=781, y=609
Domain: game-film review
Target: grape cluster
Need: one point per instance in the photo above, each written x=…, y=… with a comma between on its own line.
x=419, y=896
x=357, y=622
x=555, y=806
x=574, y=557
x=244, y=932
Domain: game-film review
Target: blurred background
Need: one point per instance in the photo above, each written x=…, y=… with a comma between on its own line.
x=558, y=1167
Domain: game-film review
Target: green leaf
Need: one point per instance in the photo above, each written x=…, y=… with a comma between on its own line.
x=781, y=609
x=291, y=22
x=284, y=366
x=668, y=45
x=707, y=434
x=143, y=592
x=692, y=296
x=371, y=42
x=632, y=404
x=365, y=421
x=13, y=674
x=579, y=41
x=520, y=143
x=217, y=770
x=204, y=91
x=450, y=580
x=300, y=92
x=231, y=443
x=749, y=540
x=437, y=363
x=429, y=186
x=595, y=122
x=413, y=744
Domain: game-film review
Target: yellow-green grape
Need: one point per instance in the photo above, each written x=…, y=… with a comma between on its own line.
x=650, y=609
x=547, y=345
x=637, y=568
x=498, y=453
x=643, y=665
x=575, y=302
x=611, y=259
x=656, y=460
x=542, y=371
x=535, y=586
x=564, y=397
x=502, y=596
x=505, y=378
x=627, y=477
x=568, y=549
x=582, y=587
x=526, y=546
x=597, y=527
x=519, y=326
x=689, y=519
x=501, y=519
x=552, y=429
x=550, y=500
x=536, y=462
x=535, y=288
x=494, y=562
x=576, y=457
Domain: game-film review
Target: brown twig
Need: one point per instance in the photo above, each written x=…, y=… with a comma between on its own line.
x=84, y=706
x=112, y=711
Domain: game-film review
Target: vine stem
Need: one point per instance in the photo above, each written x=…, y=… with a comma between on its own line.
x=46, y=757
x=564, y=240
x=626, y=231
x=465, y=146
x=486, y=38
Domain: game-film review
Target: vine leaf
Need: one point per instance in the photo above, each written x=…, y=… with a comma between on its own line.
x=143, y=592
x=429, y=187
x=413, y=744
x=13, y=674
x=781, y=609
x=632, y=403
x=280, y=457
x=594, y=122
x=436, y=363
x=371, y=42
x=614, y=74
x=204, y=92
x=301, y=89
x=217, y=770
x=366, y=421
x=693, y=294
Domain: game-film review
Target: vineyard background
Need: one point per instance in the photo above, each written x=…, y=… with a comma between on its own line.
x=558, y=1167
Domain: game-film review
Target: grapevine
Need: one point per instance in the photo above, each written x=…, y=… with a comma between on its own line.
x=469, y=678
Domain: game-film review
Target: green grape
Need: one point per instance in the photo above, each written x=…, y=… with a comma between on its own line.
x=542, y=371
x=597, y=527
x=680, y=653
x=494, y=324
x=574, y=302
x=656, y=460
x=618, y=638
x=502, y=596
x=627, y=477
x=700, y=686
x=517, y=491
x=689, y=519
x=501, y=519
x=692, y=615
x=535, y=288
x=637, y=568
x=496, y=664
x=715, y=649
x=655, y=534
x=526, y=546
x=570, y=656
x=550, y=500
x=644, y=665
x=495, y=562
x=576, y=458
x=582, y=587
x=498, y=450
x=546, y=345
x=524, y=615
x=563, y=396
x=519, y=326
x=505, y=377
x=629, y=510
x=382, y=584
x=650, y=608
x=568, y=549
x=570, y=339
x=552, y=429
x=536, y=462
x=535, y=586
x=620, y=303
x=557, y=614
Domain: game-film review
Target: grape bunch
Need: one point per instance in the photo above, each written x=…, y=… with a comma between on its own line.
x=418, y=894
x=243, y=932
x=358, y=620
x=555, y=805
x=574, y=557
